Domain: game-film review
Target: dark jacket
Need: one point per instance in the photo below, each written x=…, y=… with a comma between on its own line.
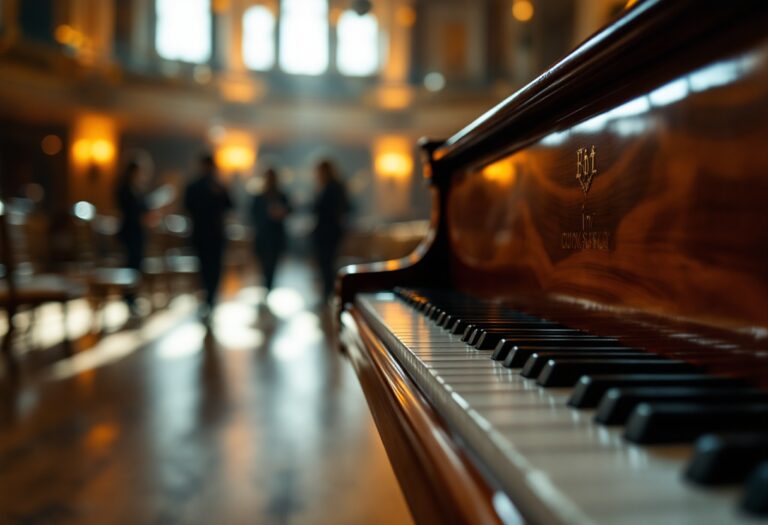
x=207, y=201
x=132, y=206
x=331, y=209
x=269, y=229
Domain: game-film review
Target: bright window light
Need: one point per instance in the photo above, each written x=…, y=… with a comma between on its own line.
x=304, y=36
x=184, y=30
x=358, y=50
x=259, y=38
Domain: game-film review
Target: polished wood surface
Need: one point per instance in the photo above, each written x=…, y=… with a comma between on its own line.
x=650, y=44
x=621, y=192
x=257, y=421
x=673, y=222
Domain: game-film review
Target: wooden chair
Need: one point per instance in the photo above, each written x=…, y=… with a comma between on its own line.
x=169, y=266
x=95, y=259
x=26, y=289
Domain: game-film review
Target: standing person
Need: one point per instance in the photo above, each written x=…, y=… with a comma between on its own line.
x=132, y=203
x=207, y=201
x=331, y=209
x=269, y=211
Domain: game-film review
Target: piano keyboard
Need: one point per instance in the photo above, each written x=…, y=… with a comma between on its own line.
x=536, y=430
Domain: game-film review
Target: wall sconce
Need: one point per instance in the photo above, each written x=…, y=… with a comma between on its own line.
x=235, y=158
x=393, y=158
x=90, y=152
x=94, y=138
x=234, y=150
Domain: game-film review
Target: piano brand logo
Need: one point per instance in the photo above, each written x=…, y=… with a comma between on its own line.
x=586, y=169
x=590, y=237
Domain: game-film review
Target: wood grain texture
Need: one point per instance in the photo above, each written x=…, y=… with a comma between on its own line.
x=661, y=242
x=674, y=223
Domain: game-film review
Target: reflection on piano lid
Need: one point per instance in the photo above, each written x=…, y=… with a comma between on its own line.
x=583, y=335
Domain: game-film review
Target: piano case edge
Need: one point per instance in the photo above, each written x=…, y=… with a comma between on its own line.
x=437, y=478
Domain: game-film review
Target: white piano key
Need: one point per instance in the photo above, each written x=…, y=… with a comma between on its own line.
x=553, y=461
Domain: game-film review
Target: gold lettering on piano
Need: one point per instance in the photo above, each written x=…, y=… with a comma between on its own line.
x=590, y=237
x=586, y=168
x=587, y=238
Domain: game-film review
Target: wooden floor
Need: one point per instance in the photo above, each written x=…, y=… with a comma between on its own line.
x=257, y=420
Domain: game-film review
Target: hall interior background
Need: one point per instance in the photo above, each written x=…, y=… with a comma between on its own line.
x=256, y=419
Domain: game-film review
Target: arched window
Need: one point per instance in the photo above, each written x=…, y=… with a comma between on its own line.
x=259, y=38
x=304, y=36
x=183, y=30
x=358, y=50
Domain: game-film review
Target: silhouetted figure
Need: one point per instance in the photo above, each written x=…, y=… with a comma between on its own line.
x=331, y=208
x=269, y=211
x=132, y=204
x=207, y=201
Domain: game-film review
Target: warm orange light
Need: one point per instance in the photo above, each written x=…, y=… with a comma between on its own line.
x=102, y=151
x=522, y=10
x=395, y=97
x=220, y=6
x=69, y=36
x=630, y=3
x=234, y=150
x=81, y=151
x=405, y=16
x=51, y=145
x=395, y=164
x=95, y=138
x=501, y=172
x=240, y=90
x=335, y=14
x=63, y=34
x=101, y=436
x=99, y=151
x=235, y=158
x=393, y=157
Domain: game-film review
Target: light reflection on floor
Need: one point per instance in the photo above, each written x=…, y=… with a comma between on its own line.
x=256, y=420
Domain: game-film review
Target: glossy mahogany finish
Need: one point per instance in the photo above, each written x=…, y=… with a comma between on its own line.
x=674, y=221
x=621, y=192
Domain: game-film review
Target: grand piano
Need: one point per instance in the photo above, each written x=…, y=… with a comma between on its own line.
x=582, y=337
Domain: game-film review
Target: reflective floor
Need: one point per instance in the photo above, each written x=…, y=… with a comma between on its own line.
x=256, y=420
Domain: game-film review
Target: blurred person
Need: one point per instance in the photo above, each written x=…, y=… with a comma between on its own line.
x=131, y=201
x=269, y=210
x=207, y=201
x=331, y=208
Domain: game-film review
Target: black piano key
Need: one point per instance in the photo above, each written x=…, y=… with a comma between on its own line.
x=477, y=329
x=591, y=388
x=720, y=459
x=680, y=422
x=458, y=326
x=461, y=324
x=469, y=333
x=520, y=355
x=755, y=499
x=488, y=339
x=506, y=345
x=618, y=403
x=564, y=372
x=535, y=363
